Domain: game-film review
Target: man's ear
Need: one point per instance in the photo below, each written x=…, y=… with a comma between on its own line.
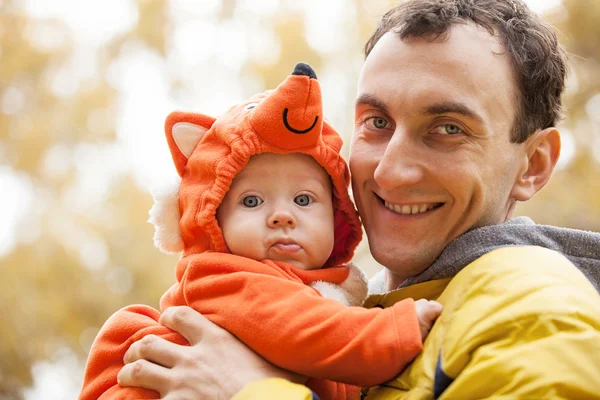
x=542, y=150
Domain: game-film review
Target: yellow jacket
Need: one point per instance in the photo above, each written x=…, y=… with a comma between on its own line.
x=518, y=323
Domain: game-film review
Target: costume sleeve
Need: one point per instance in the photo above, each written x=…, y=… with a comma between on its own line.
x=105, y=360
x=292, y=326
x=525, y=323
x=273, y=389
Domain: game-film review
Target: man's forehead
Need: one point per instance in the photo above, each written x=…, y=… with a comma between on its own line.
x=464, y=49
x=468, y=66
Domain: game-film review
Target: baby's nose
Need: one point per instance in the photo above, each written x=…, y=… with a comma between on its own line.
x=281, y=219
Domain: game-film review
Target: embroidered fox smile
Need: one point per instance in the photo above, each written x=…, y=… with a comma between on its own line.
x=297, y=131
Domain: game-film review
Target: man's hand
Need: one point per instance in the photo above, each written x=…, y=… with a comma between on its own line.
x=427, y=312
x=216, y=366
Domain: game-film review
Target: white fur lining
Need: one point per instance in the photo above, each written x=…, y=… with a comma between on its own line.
x=330, y=291
x=356, y=285
x=352, y=292
x=377, y=283
x=164, y=215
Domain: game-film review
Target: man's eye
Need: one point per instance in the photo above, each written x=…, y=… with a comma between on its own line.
x=376, y=122
x=303, y=200
x=252, y=201
x=447, y=129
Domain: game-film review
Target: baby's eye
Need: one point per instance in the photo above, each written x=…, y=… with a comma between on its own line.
x=303, y=200
x=376, y=122
x=252, y=201
x=250, y=106
x=447, y=129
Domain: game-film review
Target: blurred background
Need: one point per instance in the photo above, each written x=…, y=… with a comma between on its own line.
x=84, y=90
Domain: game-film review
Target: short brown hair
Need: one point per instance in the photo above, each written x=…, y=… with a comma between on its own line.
x=538, y=61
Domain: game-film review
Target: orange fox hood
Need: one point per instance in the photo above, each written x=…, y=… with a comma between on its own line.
x=208, y=153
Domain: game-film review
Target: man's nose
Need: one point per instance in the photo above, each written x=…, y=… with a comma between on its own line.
x=281, y=219
x=402, y=163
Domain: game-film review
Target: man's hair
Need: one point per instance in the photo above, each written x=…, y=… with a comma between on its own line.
x=538, y=61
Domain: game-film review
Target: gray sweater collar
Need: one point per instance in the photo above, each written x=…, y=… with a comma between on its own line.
x=582, y=248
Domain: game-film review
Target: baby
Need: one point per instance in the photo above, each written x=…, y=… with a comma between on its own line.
x=265, y=226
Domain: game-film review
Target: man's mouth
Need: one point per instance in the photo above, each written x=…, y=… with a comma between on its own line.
x=411, y=209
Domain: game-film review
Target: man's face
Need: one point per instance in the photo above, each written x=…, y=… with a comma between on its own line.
x=431, y=156
x=279, y=207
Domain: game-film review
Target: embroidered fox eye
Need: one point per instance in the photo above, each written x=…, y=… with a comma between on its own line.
x=252, y=201
x=303, y=200
x=250, y=106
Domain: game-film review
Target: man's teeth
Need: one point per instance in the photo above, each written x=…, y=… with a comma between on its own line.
x=409, y=209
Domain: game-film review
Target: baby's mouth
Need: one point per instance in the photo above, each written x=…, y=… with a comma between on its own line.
x=286, y=247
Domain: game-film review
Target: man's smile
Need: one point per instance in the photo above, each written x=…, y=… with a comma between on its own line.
x=409, y=208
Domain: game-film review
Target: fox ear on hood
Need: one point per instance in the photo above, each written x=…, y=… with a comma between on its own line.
x=184, y=131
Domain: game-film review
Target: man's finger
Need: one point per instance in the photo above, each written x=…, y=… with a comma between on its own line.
x=144, y=374
x=154, y=349
x=187, y=322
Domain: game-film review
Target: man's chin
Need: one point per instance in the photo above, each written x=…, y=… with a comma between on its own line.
x=404, y=262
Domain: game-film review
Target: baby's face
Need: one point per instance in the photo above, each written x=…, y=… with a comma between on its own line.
x=279, y=207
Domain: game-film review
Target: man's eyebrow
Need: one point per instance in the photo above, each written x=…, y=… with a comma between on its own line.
x=370, y=100
x=451, y=108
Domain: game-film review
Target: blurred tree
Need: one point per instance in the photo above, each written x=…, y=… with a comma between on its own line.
x=79, y=262
x=572, y=197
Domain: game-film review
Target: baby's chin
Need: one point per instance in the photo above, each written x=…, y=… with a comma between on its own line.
x=299, y=264
x=304, y=266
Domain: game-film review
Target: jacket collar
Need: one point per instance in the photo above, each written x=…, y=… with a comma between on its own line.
x=429, y=290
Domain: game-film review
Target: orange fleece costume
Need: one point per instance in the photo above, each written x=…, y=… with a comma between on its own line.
x=272, y=307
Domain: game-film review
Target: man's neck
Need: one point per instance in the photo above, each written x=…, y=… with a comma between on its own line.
x=392, y=280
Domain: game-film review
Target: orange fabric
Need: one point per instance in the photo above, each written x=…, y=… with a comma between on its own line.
x=333, y=390
x=123, y=328
x=266, y=304
x=297, y=103
x=269, y=307
x=241, y=133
